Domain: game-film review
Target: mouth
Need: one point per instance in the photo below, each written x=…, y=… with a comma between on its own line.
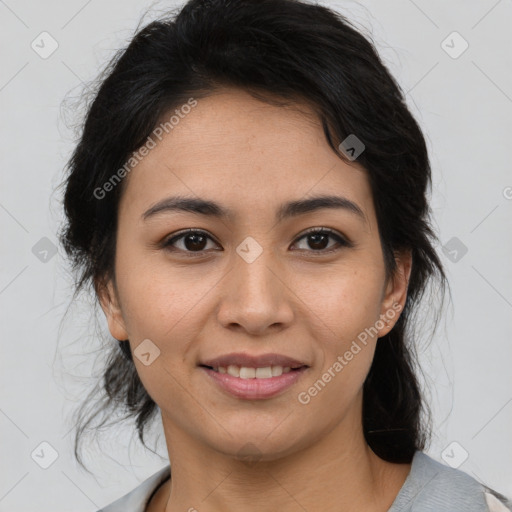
x=253, y=377
x=248, y=383
x=247, y=372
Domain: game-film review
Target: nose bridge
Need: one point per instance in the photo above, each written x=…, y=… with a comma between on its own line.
x=256, y=296
x=252, y=269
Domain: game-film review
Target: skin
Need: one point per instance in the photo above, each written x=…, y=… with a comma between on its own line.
x=296, y=300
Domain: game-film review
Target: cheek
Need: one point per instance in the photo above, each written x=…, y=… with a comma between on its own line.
x=346, y=301
x=348, y=306
x=161, y=306
x=157, y=297
x=169, y=307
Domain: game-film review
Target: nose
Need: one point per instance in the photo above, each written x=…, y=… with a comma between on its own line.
x=256, y=296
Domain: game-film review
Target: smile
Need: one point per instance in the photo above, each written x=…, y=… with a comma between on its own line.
x=253, y=383
x=244, y=372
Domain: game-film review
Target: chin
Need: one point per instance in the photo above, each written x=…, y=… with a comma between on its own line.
x=259, y=442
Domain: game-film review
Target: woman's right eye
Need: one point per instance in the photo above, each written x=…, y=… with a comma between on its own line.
x=192, y=241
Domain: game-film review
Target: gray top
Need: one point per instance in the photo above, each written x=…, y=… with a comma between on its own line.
x=429, y=487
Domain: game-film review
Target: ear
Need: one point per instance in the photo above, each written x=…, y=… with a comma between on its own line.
x=109, y=300
x=395, y=293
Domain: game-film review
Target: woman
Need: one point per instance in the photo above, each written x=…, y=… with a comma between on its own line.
x=248, y=199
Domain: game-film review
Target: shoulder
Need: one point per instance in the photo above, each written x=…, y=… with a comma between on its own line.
x=137, y=499
x=435, y=487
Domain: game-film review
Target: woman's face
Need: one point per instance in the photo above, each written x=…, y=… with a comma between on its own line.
x=252, y=282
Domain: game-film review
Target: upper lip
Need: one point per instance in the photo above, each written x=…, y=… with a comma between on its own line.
x=249, y=361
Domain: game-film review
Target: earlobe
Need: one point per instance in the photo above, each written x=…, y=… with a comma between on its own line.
x=396, y=292
x=109, y=301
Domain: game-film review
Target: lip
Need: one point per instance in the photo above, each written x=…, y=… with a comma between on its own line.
x=254, y=389
x=250, y=361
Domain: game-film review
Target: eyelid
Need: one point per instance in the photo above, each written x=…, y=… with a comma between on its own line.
x=343, y=241
x=330, y=231
x=180, y=234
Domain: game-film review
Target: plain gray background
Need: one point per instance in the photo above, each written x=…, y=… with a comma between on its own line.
x=463, y=101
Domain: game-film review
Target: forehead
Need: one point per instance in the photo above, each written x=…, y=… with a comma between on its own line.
x=244, y=153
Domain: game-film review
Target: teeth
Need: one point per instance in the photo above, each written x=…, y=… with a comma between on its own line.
x=234, y=370
x=263, y=373
x=243, y=372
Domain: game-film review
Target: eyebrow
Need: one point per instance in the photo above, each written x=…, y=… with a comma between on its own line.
x=287, y=210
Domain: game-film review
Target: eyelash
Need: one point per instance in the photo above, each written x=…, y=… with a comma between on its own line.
x=343, y=242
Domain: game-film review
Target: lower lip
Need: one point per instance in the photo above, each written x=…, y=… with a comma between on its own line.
x=254, y=389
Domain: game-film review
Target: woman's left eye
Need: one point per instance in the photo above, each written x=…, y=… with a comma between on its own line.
x=194, y=241
x=317, y=237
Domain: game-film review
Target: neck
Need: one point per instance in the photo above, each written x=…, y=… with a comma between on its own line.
x=340, y=464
